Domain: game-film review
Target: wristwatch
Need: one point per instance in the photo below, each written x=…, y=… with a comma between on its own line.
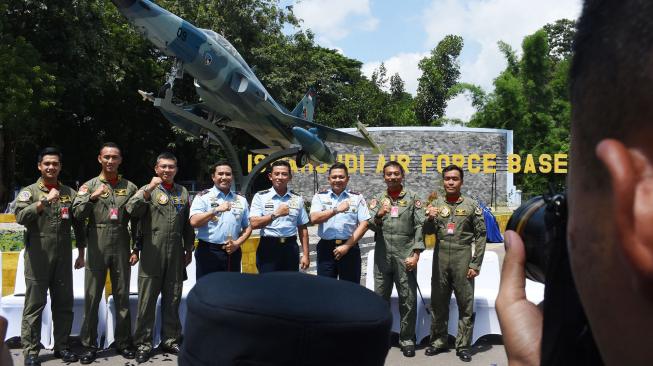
x=273, y=216
x=44, y=201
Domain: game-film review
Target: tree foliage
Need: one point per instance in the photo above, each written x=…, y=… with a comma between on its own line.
x=440, y=72
x=531, y=98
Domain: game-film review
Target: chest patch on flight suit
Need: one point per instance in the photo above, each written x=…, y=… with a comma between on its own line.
x=105, y=195
x=373, y=203
x=65, y=199
x=478, y=211
x=402, y=203
x=120, y=192
x=24, y=196
x=177, y=200
x=444, y=211
x=163, y=199
x=461, y=212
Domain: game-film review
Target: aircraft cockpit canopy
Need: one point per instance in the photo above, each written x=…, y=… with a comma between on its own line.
x=219, y=39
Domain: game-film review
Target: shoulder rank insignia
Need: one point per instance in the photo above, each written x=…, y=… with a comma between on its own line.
x=163, y=199
x=294, y=193
x=24, y=196
x=478, y=211
x=461, y=212
x=323, y=190
x=373, y=203
x=203, y=192
x=354, y=192
x=263, y=191
x=444, y=211
x=120, y=192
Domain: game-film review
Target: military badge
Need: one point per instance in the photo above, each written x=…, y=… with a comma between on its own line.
x=461, y=212
x=105, y=194
x=478, y=211
x=402, y=203
x=163, y=199
x=445, y=212
x=373, y=203
x=65, y=199
x=83, y=190
x=386, y=202
x=120, y=192
x=418, y=203
x=24, y=196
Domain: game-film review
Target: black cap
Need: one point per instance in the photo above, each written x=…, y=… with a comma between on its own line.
x=284, y=318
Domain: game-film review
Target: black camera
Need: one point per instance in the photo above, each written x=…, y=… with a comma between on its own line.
x=542, y=224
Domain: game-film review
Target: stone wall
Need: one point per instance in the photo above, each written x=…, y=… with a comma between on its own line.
x=419, y=148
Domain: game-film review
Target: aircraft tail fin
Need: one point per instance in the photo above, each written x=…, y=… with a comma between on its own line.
x=306, y=107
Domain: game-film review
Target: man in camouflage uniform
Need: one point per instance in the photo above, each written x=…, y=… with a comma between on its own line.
x=397, y=219
x=44, y=209
x=162, y=211
x=459, y=226
x=102, y=201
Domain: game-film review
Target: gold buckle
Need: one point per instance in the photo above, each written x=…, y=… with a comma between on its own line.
x=282, y=240
x=339, y=241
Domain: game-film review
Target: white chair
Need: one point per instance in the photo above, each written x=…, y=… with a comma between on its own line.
x=78, y=303
x=133, y=308
x=12, y=307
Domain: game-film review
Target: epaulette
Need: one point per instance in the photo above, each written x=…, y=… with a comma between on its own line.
x=263, y=191
x=354, y=192
x=203, y=192
x=323, y=190
x=294, y=193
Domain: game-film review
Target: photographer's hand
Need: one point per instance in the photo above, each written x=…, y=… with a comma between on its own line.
x=520, y=319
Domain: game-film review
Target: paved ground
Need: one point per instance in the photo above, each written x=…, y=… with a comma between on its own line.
x=488, y=351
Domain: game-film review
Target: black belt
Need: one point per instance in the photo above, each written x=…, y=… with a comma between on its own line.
x=280, y=240
x=335, y=241
x=211, y=245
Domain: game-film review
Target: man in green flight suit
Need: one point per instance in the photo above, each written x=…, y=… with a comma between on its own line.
x=397, y=219
x=44, y=209
x=103, y=200
x=162, y=208
x=459, y=226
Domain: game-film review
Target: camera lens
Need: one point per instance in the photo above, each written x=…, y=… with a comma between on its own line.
x=541, y=223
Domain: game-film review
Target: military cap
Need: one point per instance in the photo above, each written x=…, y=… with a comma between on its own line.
x=284, y=318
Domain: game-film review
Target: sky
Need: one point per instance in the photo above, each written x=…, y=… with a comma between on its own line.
x=400, y=33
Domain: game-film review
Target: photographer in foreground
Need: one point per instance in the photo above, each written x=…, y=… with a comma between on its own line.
x=610, y=195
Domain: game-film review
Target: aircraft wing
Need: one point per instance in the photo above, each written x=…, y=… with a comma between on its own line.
x=325, y=133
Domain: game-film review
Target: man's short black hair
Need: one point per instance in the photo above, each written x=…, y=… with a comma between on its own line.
x=395, y=164
x=49, y=151
x=281, y=163
x=221, y=163
x=339, y=165
x=166, y=155
x=610, y=78
x=111, y=145
x=453, y=167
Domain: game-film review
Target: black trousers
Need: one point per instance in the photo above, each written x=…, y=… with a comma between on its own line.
x=277, y=254
x=347, y=268
x=212, y=258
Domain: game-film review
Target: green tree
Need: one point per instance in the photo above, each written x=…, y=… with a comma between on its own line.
x=531, y=98
x=397, y=87
x=440, y=72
